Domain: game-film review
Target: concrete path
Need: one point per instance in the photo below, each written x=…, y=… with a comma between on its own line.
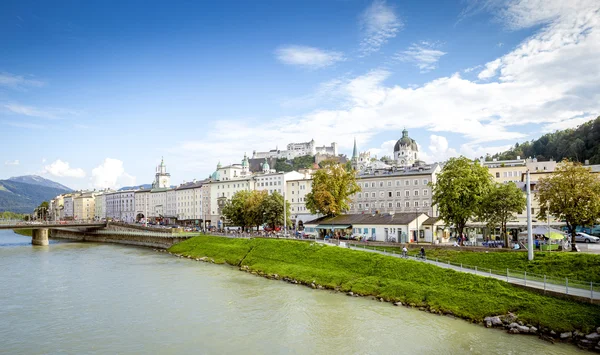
x=585, y=293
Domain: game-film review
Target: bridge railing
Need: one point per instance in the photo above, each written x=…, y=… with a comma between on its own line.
x=18, y=222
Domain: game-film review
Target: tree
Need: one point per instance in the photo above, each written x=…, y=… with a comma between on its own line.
x=459, y=191
x=500, y=205
x=282, y=165
x=572, y=194
x=331, y=190
x=273, y=210
x=245, y=208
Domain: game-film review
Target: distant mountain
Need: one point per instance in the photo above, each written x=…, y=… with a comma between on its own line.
x=24, y=198
x=136, y=187
x=578, y=144
x=38, y=180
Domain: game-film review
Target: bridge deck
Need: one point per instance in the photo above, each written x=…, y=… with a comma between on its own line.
x=25, y=225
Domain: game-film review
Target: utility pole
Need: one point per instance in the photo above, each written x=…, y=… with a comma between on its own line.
x=529, y=234
x=284, y=210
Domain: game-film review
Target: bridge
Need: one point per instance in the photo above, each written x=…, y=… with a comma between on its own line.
x=39, y=230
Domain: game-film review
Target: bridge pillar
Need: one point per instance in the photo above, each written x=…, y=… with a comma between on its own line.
x=39, y=237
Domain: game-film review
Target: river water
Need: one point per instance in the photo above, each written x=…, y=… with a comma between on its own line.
x=87, y=298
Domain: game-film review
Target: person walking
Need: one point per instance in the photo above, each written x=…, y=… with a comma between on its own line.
x=422, y=253
x=404, y=252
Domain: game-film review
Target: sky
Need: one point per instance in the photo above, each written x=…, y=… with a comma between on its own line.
x=94, y=94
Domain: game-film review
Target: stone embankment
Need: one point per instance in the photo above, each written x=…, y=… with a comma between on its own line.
x=508, y=322
x=165, y=241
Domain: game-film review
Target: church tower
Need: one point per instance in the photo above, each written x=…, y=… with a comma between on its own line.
x=162, y=179
x=354, y=160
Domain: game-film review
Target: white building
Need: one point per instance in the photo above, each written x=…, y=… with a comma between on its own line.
x=68, y=208
x=297, y=150
x=396, y=190
x=142, y=205
x=158, y=203
x=171, y=210
x=189, y=202
x=224, y=183
x=296, y=189
x=120, y=205
x=406, y=150
x=100, y=206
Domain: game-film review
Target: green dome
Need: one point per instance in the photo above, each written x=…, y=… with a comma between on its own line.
x=406, y=142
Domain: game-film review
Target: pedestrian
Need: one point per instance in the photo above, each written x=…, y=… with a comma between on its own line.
x=404, y=252
x=422, y=253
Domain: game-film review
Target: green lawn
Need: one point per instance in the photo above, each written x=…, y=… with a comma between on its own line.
x=559, y=265
x=465, y=295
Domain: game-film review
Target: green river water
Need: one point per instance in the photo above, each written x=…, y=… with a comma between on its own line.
x=78, y=298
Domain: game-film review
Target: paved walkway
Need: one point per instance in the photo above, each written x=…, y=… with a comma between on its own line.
x=513, y=280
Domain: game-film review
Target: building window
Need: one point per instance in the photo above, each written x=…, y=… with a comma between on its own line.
x=360, y=206
x=359, y=194
x=416, y=192
x=425, y=181
x=425, y=192
x=372, y=194
x=366, y=184
x=407, y=193
x=416, y=203
x=397, y=182
x=398, y=194
x=398, y=204
x=389, y=183
x=406, y=182
x=497, y=175
x=380, y=193
x=406, y=204
x=389, y=194
x=390, y=205
x=366, y=205
x=372, y=184
x=425, y=203
x=416, y=182
x=381, y=184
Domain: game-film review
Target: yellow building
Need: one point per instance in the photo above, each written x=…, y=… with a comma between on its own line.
x=84, y=207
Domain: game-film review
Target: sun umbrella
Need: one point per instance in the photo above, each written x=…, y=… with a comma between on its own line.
x=554, y=235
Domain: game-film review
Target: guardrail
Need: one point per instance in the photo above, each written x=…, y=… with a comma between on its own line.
x=568, y=286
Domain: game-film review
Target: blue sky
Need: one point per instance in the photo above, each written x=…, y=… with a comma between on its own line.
x=92, y=94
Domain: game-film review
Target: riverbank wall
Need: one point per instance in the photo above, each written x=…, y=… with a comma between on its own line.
x=404, y=282
x=161, y=242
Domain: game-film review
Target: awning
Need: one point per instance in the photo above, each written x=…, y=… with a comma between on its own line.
x=333, y=226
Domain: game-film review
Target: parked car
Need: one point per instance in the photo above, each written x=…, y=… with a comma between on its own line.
x=586, y=238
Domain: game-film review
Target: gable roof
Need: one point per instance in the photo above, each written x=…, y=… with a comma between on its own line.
x=385, y=218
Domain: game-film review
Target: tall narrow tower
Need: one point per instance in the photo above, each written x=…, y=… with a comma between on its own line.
x=354, y=160
x=162, y=179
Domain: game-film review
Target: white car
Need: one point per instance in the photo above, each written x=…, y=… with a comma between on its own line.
x=586, y=238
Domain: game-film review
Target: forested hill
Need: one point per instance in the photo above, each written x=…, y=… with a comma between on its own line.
x=580, y=144
x=23, y=198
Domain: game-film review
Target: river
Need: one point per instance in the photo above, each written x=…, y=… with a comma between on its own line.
x=100, y=298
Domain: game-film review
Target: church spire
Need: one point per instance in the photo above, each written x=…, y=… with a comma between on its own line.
x=354, y=153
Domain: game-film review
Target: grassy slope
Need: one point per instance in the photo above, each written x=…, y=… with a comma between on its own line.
x=575, y=266
x=465, y=295
x=25, y=232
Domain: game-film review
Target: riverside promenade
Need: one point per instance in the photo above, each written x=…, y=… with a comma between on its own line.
x=587, y=295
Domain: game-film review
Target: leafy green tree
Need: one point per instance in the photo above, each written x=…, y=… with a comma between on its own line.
x=273, y=210
x=281, y=164
x=303, y=162
x=245, y=208
x=459, y=191
x=500, y=205
x=571, y=194
x=331, y=190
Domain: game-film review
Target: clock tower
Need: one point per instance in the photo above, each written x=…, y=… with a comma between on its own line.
x=162, y=179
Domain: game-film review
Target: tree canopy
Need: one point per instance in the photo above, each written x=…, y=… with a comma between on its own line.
x=572, y=194
x=331, y=190
x=500, y=205
x=255, y=208
x=578, y=144
x=460, y=190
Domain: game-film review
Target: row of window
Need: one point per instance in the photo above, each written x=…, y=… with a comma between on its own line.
x=407, y=204
x=390, y=183
x=391, y=194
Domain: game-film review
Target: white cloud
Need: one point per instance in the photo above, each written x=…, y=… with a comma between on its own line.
x=60, y=168
x=379, y=24
x=569, y=123
x=50, y=113
x=550, y=77
x=308, y=57
x=439, y=150
x=423, y=55
x=470, y=69
x=111, y=174
x=18, y=81
x=386, y=148
x=11, y=162
x=490, y=70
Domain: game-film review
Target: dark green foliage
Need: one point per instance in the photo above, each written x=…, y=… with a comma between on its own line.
x=578, y=144
x=11, y=215
x=303, y=162
x=467, y=296
x=24, y=198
